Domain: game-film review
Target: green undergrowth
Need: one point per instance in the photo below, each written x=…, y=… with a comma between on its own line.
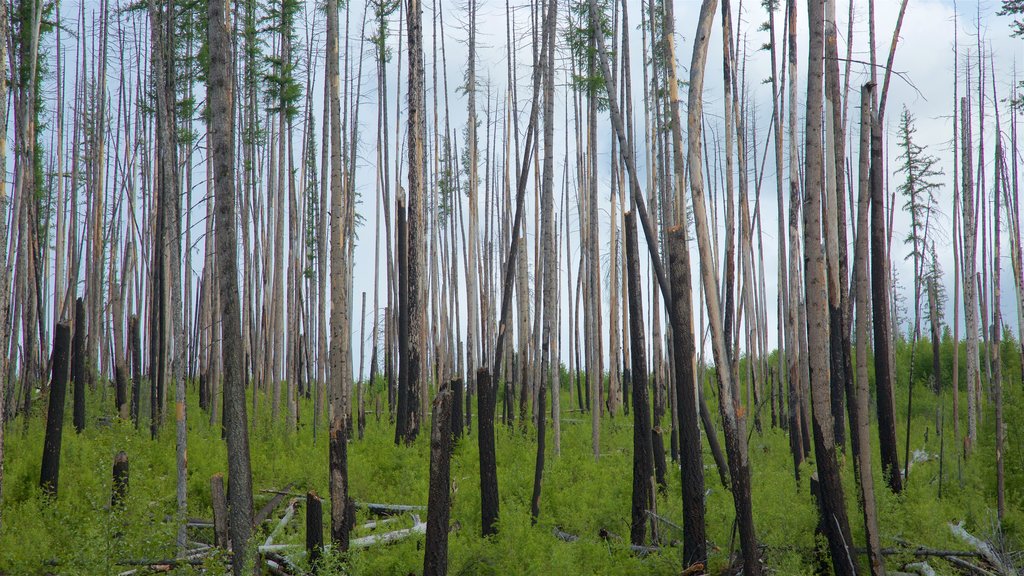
x=79, y=532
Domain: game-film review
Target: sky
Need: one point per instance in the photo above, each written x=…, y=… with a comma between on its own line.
x=923, y=82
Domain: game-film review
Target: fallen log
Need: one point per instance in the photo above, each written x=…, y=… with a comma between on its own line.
x=389, y=509
x=418, y=527
x=983, y=548
x=269, y=508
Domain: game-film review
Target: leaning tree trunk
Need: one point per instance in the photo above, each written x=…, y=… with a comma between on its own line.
x=732, y=417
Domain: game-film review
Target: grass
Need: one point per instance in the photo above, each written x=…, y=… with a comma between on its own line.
x=80, y=534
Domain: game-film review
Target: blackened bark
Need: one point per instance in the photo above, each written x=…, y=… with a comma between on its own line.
x=692, y=463
x=314, y=529
x=341, y=523
x=435, y=558
x=882, y=322
x=236, y=423
x=78, y=366
x=121, y=390
x=538, y=470
x=488, y=463
x=643, y=451
x=136, y=356
x=404, y=400
x=55, y=411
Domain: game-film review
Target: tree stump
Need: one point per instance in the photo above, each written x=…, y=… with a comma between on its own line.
x=314, y=529
x=220, y=511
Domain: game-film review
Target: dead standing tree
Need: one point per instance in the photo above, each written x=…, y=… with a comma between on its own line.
x=831, y=499
x=220, y=96
x=732, y=417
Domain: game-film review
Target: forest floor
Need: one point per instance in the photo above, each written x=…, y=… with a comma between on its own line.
x=80, y=533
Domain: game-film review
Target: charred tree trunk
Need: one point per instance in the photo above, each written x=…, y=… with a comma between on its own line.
x=78, y=368
x=691, y=460
x=881, y=318
x=136, y=356
x=643, y=457
x=831, y=499
x=488, y=463
x=55, y=411
x=435, y=559
x=220, y=100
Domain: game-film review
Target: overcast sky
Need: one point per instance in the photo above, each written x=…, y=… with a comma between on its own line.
x=923, y=82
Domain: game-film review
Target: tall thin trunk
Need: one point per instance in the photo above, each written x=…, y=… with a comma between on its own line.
x=861, y=430
x=732, y=417
x=220, y=96
x=831, y=499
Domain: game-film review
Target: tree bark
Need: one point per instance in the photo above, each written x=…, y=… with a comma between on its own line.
x=831, y=499
x=860, y=426
x=643, y=456
x=435, y=558
x=55, y=411
x=488, y=464
x=732, y=417
x=78, y=369
x=220, y=99
x=881, y=318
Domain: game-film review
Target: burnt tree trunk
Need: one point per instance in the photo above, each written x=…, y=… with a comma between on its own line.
x=643, y=456
x=121, y=393
x=435, y=559
x=136, y=355
x=881, y=320
x=341, y=522
x=314, y=529
x=488, y=463
x=55, y=411
x=694, y=537
x=404, y=400
x=78, y=366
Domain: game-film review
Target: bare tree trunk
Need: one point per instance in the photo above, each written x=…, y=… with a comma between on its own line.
x=340, y=355
x=881, y=318
x=860, y=426
x=831, y=499
x=687, y=389
x=970, y=287
x=219, y=94
x=732, y=417
x=435, y=558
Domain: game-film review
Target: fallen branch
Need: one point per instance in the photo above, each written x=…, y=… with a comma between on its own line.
x=389, y=509
x=418, y=527
x=983, y=548
x=288, y=515
x=968, y=567
x=269, y=508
